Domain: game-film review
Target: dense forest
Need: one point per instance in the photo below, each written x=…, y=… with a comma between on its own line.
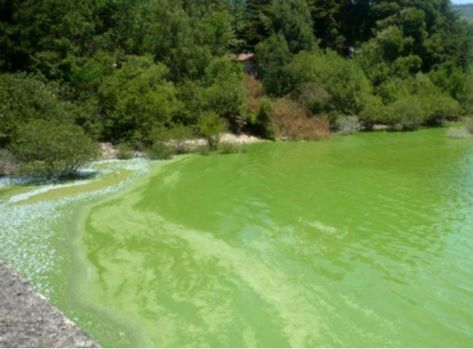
x=138, y=73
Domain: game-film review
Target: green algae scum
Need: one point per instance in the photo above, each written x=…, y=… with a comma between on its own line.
x=363, y=240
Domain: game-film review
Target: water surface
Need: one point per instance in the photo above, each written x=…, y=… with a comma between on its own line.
x=363, y=240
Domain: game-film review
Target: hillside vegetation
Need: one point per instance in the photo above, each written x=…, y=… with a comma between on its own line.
x=139, y=73
x=465, y=11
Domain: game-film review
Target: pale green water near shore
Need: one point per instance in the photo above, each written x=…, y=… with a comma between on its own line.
x=363, y=240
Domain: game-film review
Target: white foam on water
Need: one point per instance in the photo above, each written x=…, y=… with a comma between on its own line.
x=28, y=233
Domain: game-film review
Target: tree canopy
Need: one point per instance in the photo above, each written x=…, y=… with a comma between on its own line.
x=124, y=70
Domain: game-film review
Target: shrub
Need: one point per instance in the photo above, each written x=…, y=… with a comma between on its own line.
x=254, y=91
x=175, y=136
x=292, y=121
x=439, y=108
x=343, y=80
x=263, y=124
x=52, y=149
x=160, y=151
x=406, y=113
x=25, y=97
x=314, y=98
x=210, y=126
x=125, y=151
x=374, y=111
x=7, y=163
x=436, y=107
x=348, y=124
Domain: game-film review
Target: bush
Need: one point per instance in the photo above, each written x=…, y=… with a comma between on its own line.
x=435, y=107
x=174, y=136
x=348, y=124
x=263, y=124
x=406, y=113
x=292, y=121
x=374, y=111
x=125, y=151
x=52, y=149
x=160, y=151
x=346, y=87
x=210, y=126
x=25, y=97
x=7, y=163
x=314, y=98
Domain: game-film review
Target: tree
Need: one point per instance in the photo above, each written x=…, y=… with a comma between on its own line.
x=272, y=57
x=292, y=19
x=24, y=98
x=45, y=35
x=136, y=99
x=343, y=80
x=225, y=94
x=52, y=149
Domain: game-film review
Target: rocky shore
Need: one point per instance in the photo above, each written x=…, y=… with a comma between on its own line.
x=28, y=320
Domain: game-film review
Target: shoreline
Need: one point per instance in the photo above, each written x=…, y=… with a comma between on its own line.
x=28, y=319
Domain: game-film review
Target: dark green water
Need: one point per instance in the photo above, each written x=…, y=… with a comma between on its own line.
x=364, y=240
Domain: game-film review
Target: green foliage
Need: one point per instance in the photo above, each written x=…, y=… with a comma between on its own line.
x=52, y=149
x=273, y=55
x=45, y=35
x=413, y=36
x=210, y=126
x=263, y=124
x=345, y=83
x=125, y=151
x=128, y=71
x=436, y=106
x=25, y=97
x=374, y=111
x=136, y=99
x=160, y=151
x=225, y=94
x=292, y=20
x=407, y=113
x=348, y=124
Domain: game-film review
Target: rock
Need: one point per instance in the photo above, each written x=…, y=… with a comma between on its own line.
x=380, y=127
x=109, y=152
x=28, y=320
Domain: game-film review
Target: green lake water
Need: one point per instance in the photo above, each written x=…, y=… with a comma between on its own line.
x=363, y=240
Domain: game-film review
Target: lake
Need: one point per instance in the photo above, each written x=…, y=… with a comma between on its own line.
x=362, y=240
